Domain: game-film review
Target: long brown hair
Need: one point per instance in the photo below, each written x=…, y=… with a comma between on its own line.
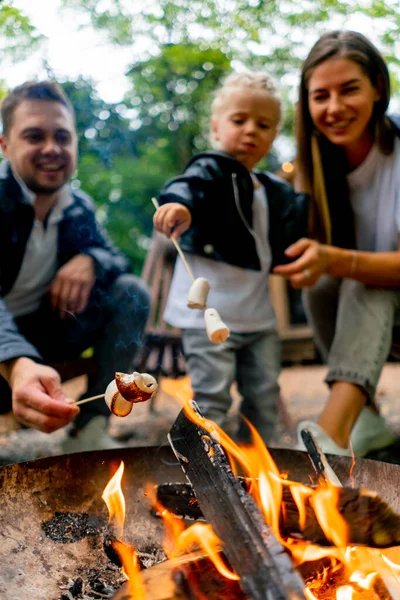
x=321, y=164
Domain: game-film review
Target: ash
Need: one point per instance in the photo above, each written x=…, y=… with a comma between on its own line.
x=97, y=584
x=70, y=527
x=93, y=584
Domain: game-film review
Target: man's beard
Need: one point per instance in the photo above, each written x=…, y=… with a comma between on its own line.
x=43, y=190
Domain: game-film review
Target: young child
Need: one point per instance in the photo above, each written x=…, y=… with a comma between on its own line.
x=236, y=223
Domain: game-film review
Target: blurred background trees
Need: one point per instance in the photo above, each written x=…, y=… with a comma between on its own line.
x=180, y=50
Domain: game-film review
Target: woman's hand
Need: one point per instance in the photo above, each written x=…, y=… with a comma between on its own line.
x=172, y=219
x=314, y=260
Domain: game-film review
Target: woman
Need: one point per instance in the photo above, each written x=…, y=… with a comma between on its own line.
x=349, y=162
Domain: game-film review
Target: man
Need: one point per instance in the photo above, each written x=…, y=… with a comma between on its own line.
x=63, y=286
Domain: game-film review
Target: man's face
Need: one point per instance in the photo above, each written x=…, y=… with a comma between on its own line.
x=41, y=145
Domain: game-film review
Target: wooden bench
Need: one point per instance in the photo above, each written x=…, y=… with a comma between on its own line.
x=161, y=353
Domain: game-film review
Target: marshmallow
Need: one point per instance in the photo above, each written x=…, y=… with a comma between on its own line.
x=115, y=402
x=126, y=389
x=136, y=387
x=197, y=296
x=216, y=329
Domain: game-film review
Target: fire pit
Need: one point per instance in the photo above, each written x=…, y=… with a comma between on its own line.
x=53, y=519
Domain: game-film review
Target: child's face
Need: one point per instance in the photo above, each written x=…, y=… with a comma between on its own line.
x=246, y=125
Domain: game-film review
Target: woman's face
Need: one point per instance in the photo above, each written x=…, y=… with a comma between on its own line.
x=341, y=100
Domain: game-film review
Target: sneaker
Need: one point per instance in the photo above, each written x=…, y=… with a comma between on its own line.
x=93, y=436
x=325, y=442
x=371, y=432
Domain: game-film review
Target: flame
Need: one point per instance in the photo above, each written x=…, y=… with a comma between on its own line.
x=201, y=534
x=357, y=569
x=325, y=501
x=115, y=501
x=131, y=570
x=179, y=541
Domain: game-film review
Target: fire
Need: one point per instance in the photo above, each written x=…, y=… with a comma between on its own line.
x=358, y=573
x=347, y=573
x=180, y=541
x=115, y=501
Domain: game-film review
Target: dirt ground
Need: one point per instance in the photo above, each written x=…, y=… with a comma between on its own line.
x=303, y=394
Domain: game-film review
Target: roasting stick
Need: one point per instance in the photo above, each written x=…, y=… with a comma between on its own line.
x=177, y=246
x=318, y=459
x=216, y=329
x=88, y=399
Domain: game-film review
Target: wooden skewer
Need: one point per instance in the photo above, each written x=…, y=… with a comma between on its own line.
x=89, y=399
x=177, y=246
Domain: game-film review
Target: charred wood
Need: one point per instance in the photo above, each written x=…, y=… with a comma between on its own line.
x=265, y=569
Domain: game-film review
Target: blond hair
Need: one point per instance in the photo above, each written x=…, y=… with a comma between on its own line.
x=251, y=80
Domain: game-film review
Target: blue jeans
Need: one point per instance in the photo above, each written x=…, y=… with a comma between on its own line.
x=353, y=327
x=113, y=323
x=253, y=360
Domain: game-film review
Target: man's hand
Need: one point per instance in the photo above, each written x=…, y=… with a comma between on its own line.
x=172, y=219
x=71, y=287
x=37, y=398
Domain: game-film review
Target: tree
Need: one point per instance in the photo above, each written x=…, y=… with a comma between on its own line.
x=129, y=150
x=171, y=96
x=107, y=168
x=17, y=34
x=17, y=37
x=254, y=33
x=280, y=32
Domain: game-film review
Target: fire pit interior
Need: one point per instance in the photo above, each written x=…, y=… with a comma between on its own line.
x=53, y=522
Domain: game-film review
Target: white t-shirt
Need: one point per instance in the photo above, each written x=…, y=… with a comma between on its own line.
x=241, y=296
x=39, y=264
x=375, y=199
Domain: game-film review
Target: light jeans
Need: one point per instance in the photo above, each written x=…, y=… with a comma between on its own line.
x=253, y=360
x=353, y=326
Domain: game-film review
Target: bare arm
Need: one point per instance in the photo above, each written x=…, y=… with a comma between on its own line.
x=312, y=259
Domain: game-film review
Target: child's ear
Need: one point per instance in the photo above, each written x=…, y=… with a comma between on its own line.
x=214, y=129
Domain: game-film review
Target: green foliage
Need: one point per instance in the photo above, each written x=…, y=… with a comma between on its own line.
x=128, y=151
x=17, y=35
x=237, y=27
x=171, y=97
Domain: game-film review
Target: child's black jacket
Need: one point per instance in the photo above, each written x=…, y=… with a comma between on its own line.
x=218, y=230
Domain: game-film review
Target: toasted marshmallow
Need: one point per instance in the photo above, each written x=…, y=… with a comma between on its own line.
x=136, y=387
x=115, y=402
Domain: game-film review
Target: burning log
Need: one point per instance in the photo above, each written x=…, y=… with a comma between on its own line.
x=370, y=519
x=181, y=578
x=265, y=569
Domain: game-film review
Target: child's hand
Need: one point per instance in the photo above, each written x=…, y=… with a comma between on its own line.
x=172, y=219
